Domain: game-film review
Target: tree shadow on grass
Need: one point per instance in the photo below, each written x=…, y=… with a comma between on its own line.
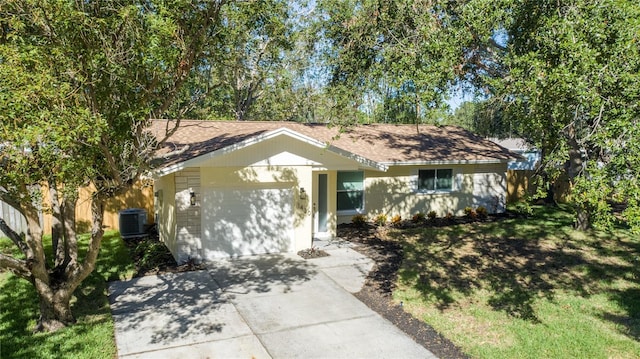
x=19, y=310
x=629, y=300
x=516, y=262
x=19, y=307
x=86, y=338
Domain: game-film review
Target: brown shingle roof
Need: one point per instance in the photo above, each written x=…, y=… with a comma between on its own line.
x=382, y=143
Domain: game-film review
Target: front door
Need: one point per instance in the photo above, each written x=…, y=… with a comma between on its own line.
x=321, y=208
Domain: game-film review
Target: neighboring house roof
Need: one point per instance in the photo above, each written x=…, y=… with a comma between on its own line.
x=513, y=143
x=530, y=156
x=383, y=144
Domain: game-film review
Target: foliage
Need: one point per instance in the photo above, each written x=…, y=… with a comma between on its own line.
x=572, y=90
x=91, y=336
x=418, y=217
x=246, y=72
x=469, y=212
x=79, y=82
x=395, y=60
x=525, y=280
x=481, y=212
x=359, y=220
x=432, y=215
x=523, y=208
x=396, y=220
x=151, y=254
x=380, y=219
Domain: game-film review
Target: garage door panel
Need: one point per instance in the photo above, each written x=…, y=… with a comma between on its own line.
x=245, y=222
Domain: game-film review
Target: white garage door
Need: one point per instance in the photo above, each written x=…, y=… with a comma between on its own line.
x=238, y=222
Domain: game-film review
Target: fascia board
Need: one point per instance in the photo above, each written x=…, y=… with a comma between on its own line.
x=444, y=162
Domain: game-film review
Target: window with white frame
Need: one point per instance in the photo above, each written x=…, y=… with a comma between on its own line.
x=433, y=180
x=350, y=191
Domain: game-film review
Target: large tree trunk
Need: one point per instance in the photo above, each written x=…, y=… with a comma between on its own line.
x=55, y=309
x=583, y=219
x=57, y=230
x=575, y=168
x=55, y=287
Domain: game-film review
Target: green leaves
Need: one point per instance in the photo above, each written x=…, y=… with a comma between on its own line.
x=573, y=86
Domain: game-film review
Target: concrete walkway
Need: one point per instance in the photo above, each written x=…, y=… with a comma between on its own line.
x=272, y=306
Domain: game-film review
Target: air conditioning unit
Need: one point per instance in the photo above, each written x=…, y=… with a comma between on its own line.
x=132, y=222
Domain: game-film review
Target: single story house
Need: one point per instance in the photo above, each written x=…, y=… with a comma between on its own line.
x=241, y=188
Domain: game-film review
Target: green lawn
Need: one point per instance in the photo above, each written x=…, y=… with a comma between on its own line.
x=92, y=336
x=525, y=288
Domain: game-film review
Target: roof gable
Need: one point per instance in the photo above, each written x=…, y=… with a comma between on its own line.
x=224, y=149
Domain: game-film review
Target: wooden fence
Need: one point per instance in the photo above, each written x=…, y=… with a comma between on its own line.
x=140, y=196
x=14, y=219
x=519, y=184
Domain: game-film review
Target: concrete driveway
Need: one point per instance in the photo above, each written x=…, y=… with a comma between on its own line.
x=272, y=306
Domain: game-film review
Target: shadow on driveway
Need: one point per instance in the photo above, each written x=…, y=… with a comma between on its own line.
x=177, y=309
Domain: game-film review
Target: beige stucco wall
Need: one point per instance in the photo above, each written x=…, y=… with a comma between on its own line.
x=394, y=192
x=165, y=209
x=282, y=150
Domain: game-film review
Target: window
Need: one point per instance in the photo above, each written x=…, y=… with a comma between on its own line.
x=435, y=180
x=350, y=191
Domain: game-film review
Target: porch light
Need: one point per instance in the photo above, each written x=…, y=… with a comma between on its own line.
x=303, y=194
x=192, y=198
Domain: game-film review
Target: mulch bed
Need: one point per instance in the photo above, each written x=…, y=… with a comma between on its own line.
x=379, y=286
x=312, y=253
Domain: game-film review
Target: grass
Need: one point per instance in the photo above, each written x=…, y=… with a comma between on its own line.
x=92, y=335
x=525, y=288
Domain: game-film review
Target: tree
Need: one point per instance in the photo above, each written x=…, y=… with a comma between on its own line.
x=573, y=89
x=79, y=82
x=247, y=64
x=561, y=74
x=407, y=54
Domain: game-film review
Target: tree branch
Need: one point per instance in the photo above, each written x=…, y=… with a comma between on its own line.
x=14, y=236
x=193, y=53
x=80, y=272
x=18, y=266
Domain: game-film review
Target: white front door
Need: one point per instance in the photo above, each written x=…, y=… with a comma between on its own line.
x=321, y=207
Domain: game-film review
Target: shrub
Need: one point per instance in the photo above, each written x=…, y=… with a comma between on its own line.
x=432, y=215
x=524, y=208
x=359, y=220
x=481, y=212
x=395, y=220
x=418, y=217
x=470, y=213
x=449, y=216
x=151, y=254
x=380, y=220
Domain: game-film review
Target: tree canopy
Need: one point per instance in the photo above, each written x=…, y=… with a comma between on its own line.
x=80, y=81
x=572, y=88
x=561, y=74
